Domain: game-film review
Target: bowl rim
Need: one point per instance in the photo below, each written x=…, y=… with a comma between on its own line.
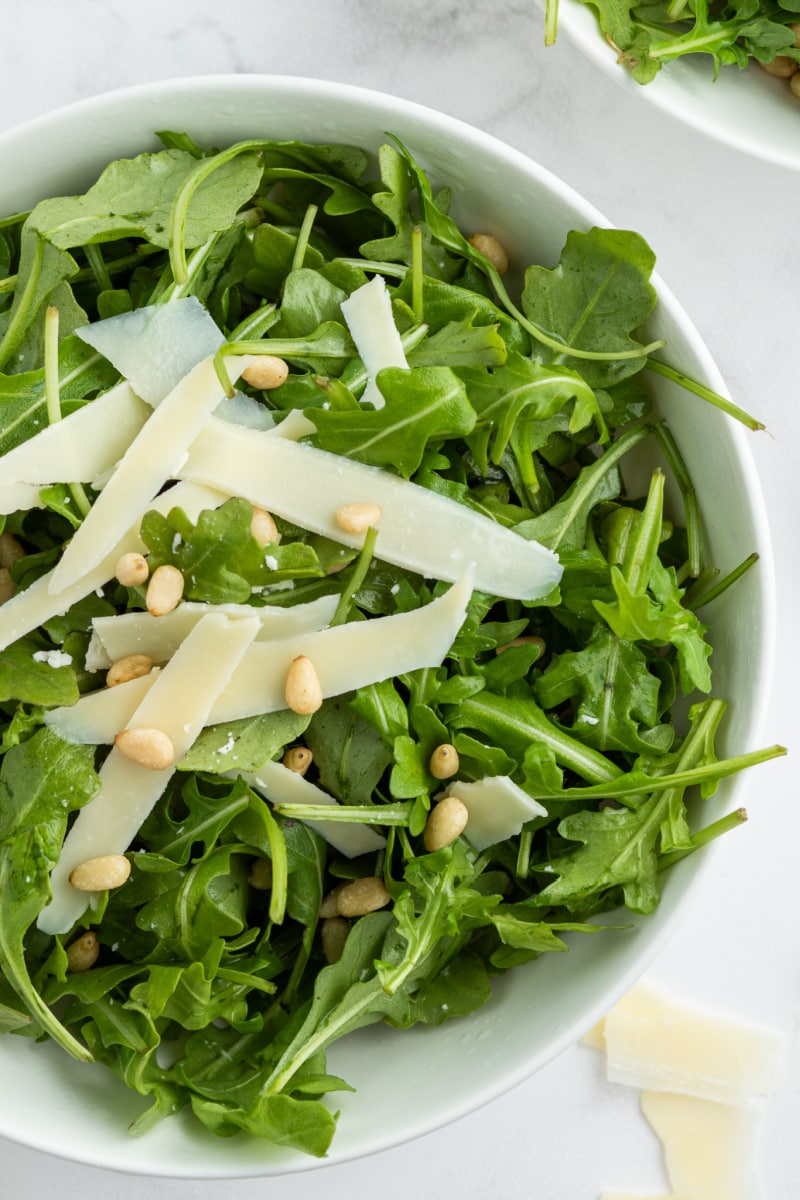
x=299, y=86
x=681, y=89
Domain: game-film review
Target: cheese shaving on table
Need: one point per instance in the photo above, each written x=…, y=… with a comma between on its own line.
x=178, y=704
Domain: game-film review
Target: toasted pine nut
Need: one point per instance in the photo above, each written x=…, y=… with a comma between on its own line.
x=263, y=527
x=82, y=953
x=361, y=896
x=100, y=874
x=298, y=759
x=132, y=569
x=443, y=763
x=151, y=748
x=164, y=590
x=302, y=689
x=358, y=518
x=782, y=67
x=260, y=876
x=448, y=819
x=266, y=372
x=132, y=666
x=10, y=550
x=490, y=247
x=330, y=903
x=333, y=935
x=795, y=28
x=7, y=585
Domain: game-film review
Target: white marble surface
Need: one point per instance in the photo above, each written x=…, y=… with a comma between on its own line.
x=724, y=228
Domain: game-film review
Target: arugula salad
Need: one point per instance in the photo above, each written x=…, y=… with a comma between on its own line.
x=649, y=36
x=340, y=672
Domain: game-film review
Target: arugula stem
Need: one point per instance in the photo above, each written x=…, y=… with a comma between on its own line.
x=359, y=571
x=52, y=391
x=301, y=245
x=358, y=814
x=691, y=507
x=22, y=314
x=524, y=854
x=417, y=275
x=280, y=867
x=395, y=270
x=183, y=198
x=255, y=325
x=97, y=267
x=699, y=389
x=642, y=548
x=635, y=782
x=550, y=22
x=704, y=836
x=692, y=600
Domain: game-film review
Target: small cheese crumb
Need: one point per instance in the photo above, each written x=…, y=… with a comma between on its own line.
x=53, y=658
x=271, y=562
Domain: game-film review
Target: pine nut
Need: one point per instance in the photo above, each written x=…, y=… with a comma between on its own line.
x=490, y=247
x=10, y=550
x=7, y=585
x=164, y=590
x=333, y=935
x=358, y=518
x=782, y=67
x=298, y=759
x=132, y=569
x=266, y=372
x=362, y=896
x=447, y=821
x=443, y=763
x=794, y=84
x=132, y=666
x=263, y=527
x=330, y=903
x=795, y=28
x=83, y=952
x=101, y=874
x=260, y=876
x=302, y=689
x=151, y=748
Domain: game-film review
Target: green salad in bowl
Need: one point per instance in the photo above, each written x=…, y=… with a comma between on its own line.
x=357, y=641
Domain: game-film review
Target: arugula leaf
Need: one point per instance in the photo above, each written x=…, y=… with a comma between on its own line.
x=41, y=781
x=595, y=298
x=422, y=405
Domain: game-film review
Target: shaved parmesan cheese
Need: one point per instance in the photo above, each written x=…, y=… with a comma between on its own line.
x=655, y=1043
x=19, y=497
x=178, y=704
x=419, y=529
x=150, y=460
x=368, y=313
x=98, y=716
x=155, y=347
x=641, y=1196
x=345, y=657
x=38, y=602
x=282, y=786
x=159, y=637
x=244, y=410
x=80, y=446
x=497, y=808
x=710, y=1149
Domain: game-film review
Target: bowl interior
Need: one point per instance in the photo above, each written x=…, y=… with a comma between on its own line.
x=436, y=1075
x=748, y=110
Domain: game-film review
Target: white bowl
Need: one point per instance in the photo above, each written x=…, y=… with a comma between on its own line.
x=748, y=110
x=410, y=1082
